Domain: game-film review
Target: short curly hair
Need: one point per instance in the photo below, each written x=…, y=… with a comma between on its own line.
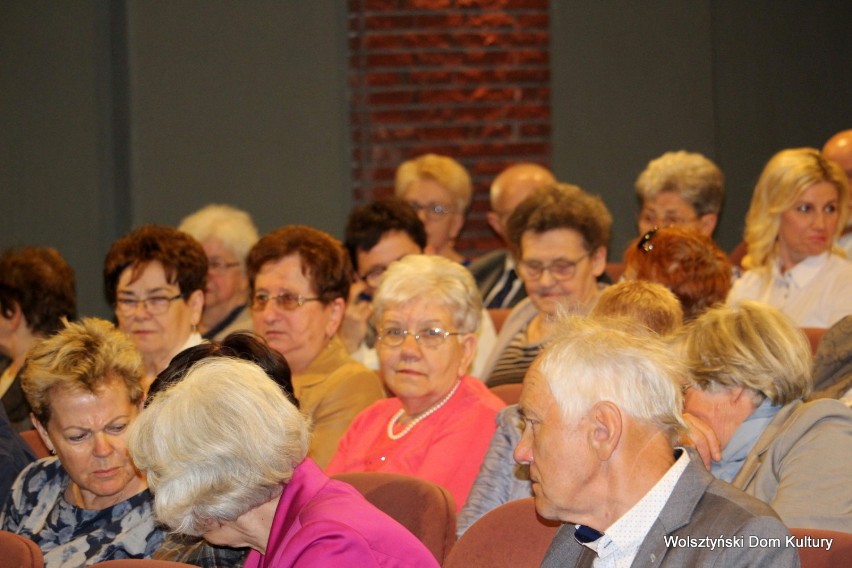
x=561, y=206
x=82, y=357
x=685, y=261
x=692, y=176
x=369, y=223
x=41, y=283
x=442, y=169
x=183, y=259
x=323, y=258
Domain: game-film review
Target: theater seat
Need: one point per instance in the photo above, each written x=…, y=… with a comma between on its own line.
x=427, y=510
x=17, y=551
x=510, y=536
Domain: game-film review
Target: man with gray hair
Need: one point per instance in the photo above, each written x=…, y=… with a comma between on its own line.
x=601, y=409
x=495, y=272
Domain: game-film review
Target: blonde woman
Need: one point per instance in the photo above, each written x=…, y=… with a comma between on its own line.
x=797, y=212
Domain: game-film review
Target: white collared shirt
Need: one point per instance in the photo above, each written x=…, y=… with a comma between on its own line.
x=618, y=546
x=816, y=292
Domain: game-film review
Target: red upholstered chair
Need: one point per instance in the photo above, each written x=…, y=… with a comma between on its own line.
x=17, y=551
x=427, y=510
x=498, y=317
x=614, y=270
x=34, y=441
x=510, y=536
x=510, y=393
x=840, y=553
x=814, y=335
x=139, y=563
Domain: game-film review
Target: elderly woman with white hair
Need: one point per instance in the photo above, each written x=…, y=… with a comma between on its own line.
x=227, y=235
x=439, y=424
x=225, y=454
x=750, y=371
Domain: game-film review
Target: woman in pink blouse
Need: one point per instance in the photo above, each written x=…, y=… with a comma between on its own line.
x=438, y=427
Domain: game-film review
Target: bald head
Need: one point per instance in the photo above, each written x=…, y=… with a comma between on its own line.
x=839, y=149
x=512, y=186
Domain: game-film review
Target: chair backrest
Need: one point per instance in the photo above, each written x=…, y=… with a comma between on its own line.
x=508, y=393
x=34, y=441
x=813, y=555
x=17, y=551
x=814, y=335
x=498, y=317
x=510, y=536
x=139, y=563
x=427, y=510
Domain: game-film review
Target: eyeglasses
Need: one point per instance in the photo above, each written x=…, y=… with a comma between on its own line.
x=374, y=277
x=431, y=337
x=644, y=244
x=285, y=301
x=433, y=210
x=561, y=269
x=220, y=266
x=650, y=218
x=155, y=305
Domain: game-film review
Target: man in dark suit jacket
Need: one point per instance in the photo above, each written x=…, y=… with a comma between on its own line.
x=602, y=413
x=495, y=271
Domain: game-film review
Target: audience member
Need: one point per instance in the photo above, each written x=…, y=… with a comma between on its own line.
x=838, y=149
x=300, y=280
x=686, y=262
x=500, y=479
x=750, y=369
x=227, y=235
x=601, y=411
x=496, y=272
x=438, y=425
x=225, y=453
x=154, y=278
x=238, y=345
x=681, y=189
x=36, y=294
x=89, y=503
x=561, y=234
x=833, y=363
x=440, y=190
x=377, y=234
x=798, y=210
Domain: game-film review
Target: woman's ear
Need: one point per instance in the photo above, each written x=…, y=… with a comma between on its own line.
x=196, y=306
x=42, y=432
x=336, y=308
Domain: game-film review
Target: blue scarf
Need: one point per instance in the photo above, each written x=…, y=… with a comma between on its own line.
x=743, y=440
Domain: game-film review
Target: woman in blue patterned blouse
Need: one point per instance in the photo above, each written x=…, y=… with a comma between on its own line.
x=88, y=503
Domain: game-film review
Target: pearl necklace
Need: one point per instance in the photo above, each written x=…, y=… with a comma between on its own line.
x=419, y=417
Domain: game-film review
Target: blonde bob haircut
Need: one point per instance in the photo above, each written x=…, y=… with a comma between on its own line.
x=84, y=357
x=435, y=280
x=650, y=304
x=614, y=360
x=750, y=345
x=442, y=169
x=230, y=226
x=785, y=177
x=216, y=445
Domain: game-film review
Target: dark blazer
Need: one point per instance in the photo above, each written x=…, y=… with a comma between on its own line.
x=700, y=506
x=488, y=270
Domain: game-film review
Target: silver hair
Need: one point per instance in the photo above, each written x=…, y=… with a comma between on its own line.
x=692, y=176
x=230, y=226
x=618, y=361
x=217, y=444
x=436, y=279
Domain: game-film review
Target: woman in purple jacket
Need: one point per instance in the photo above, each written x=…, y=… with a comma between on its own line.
x=225, y=450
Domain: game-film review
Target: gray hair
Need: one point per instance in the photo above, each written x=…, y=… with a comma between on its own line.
x=692, y=176
x=435, y=279
x=230, y=226
x=750, y=345
x=589, y=361
x=217, y=444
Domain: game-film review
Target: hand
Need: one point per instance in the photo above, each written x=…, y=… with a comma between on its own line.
x=353, y=329
x=702, y=437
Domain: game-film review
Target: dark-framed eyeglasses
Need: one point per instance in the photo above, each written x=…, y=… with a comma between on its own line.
x=559, y=269
x=285, y=301
x=645, y=243
x=430, y=337
x=154, y=305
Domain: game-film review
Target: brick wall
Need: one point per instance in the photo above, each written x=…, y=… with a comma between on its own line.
x=465, y=78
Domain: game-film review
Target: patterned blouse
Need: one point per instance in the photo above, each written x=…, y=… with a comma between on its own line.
x=70, y=536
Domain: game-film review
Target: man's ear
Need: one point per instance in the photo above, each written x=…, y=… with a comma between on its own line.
x=607, y=427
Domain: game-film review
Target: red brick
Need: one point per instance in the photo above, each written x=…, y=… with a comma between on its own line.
x=537, y=130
